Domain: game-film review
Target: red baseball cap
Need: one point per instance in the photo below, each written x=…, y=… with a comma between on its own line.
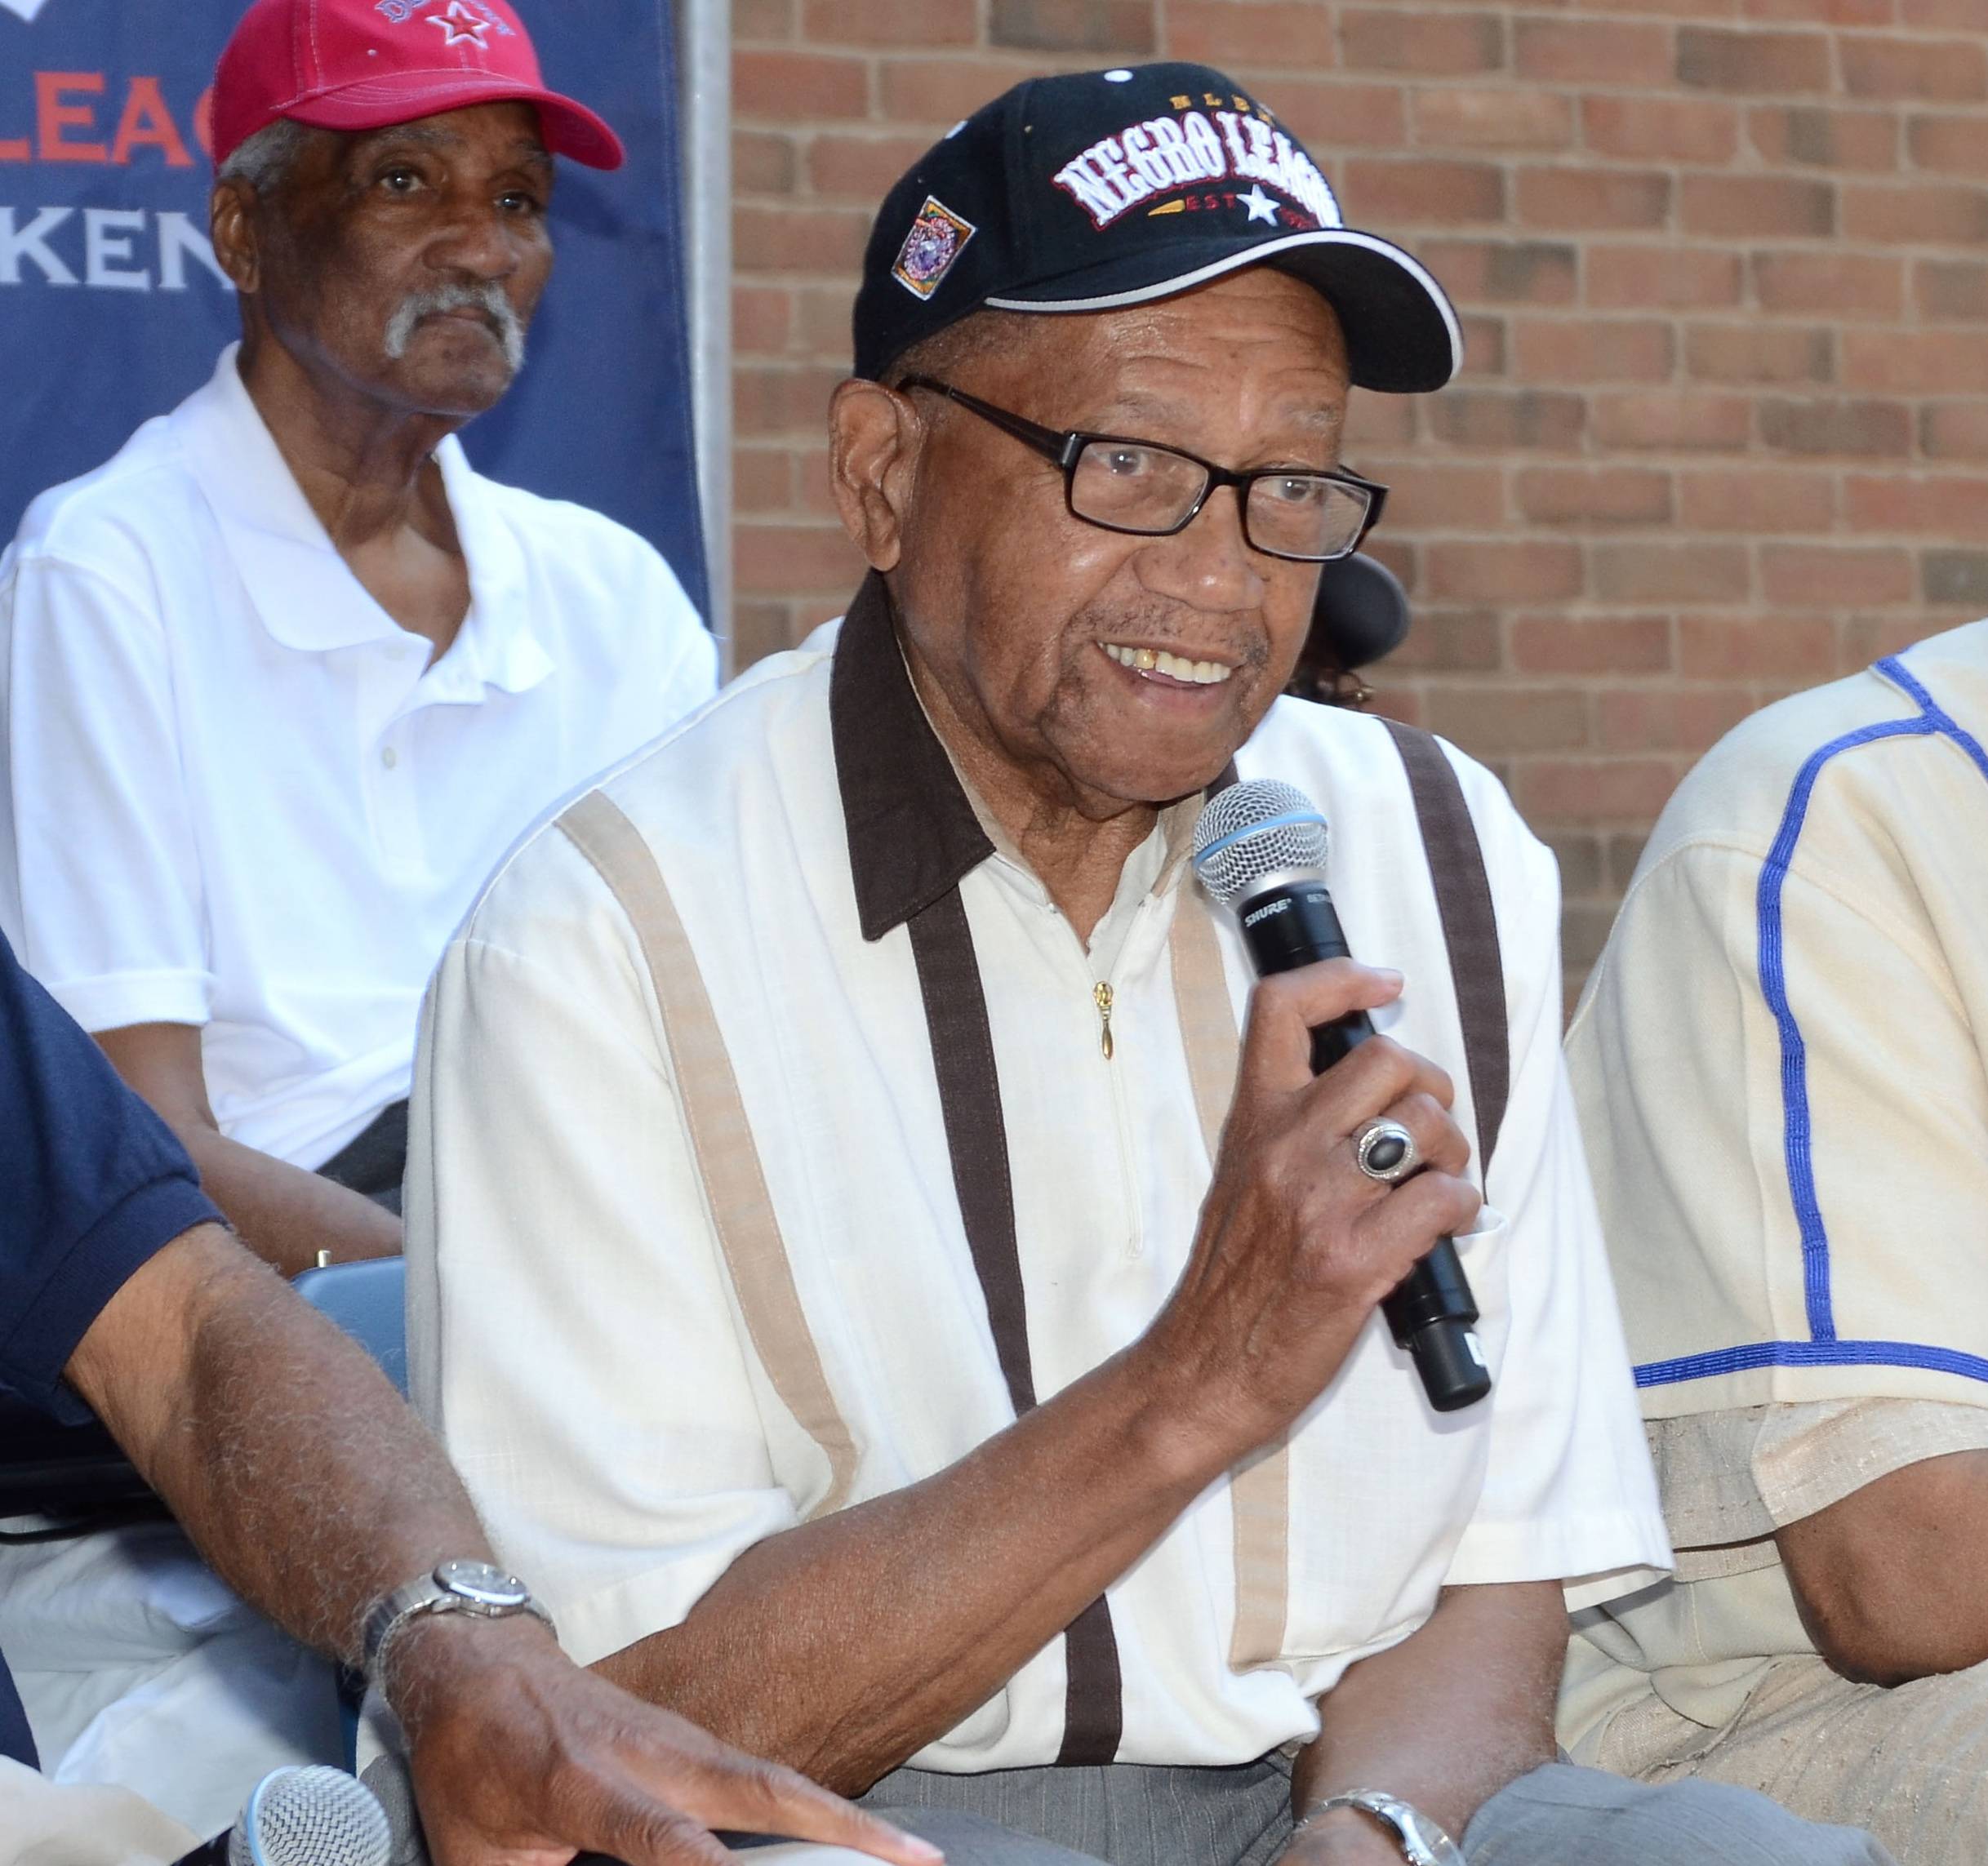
x=365, y=64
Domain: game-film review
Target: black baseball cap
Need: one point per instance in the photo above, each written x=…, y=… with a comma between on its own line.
x=1101, y=188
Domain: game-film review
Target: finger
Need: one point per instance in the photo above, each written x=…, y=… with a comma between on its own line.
x=1283, y=1011
x=1369, y=1081
x=1440, y=1144
x=1414, y=1214
x=748, y=1795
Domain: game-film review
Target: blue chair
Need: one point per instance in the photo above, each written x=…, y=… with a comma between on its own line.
x=368, y=1301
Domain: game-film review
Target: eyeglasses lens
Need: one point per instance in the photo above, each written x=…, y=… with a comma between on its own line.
x=1302, y=515
x=1136, y=488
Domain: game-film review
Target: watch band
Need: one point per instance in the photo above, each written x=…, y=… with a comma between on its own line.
x=1422, y=1841
x=466, y=1587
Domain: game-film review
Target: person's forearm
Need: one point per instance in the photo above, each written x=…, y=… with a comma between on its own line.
x=251, y=1415
x=886, y=1623
x=285, y=1214
x=1447, y=1718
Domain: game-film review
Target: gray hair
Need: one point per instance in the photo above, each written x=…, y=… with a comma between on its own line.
x=265, y=159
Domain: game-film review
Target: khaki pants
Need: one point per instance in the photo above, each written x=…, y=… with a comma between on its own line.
x=1910, y=1763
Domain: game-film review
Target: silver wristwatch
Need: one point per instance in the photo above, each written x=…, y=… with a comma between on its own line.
x=449, y=1587
x=1422, y=1843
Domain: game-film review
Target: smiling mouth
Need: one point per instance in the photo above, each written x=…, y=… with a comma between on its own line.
x=1157, y=663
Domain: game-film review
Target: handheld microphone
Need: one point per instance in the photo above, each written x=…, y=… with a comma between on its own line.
x=297, y=1816
x=1260, y=849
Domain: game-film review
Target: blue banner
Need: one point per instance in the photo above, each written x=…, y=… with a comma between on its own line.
x=112, y=308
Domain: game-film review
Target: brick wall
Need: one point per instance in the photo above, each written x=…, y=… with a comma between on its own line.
x=1723, y=264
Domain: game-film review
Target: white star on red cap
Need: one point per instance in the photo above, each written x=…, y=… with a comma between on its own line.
x=1261, y=206
x=460, y=24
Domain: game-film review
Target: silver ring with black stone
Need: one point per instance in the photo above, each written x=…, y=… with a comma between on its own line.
x=1385, y=1150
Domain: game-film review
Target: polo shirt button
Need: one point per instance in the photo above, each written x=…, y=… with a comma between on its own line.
x=389, y=758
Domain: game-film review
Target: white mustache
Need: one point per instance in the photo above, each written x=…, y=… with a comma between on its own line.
x=487, y=298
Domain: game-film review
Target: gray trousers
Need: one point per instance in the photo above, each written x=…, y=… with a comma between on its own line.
x=1127, y=1815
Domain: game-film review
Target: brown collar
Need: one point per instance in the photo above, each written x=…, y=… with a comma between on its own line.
x=913, y=832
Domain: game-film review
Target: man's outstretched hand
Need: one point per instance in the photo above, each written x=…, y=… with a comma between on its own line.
x=521, y=1758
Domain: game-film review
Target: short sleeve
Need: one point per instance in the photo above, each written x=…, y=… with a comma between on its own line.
x=95, y=1186
x=1569, y=1494
x=101, y=893
x=570, y=1329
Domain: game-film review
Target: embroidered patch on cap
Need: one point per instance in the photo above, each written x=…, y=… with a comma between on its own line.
x=938, y=236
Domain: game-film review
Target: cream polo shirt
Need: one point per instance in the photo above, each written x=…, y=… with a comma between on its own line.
x=236, y=794
x=652, y=1337
x=1783, y=1081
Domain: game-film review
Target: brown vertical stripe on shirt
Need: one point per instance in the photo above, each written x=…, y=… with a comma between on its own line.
x=1469, y=927
x=721, y=1136
x=1260, y=1490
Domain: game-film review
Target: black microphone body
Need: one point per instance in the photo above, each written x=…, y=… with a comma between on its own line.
x=1287, y=922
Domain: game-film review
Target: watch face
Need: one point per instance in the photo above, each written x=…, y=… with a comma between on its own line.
x=480, y=1583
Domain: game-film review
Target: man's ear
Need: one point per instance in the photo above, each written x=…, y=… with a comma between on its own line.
x=231, y=225
x=875, y=438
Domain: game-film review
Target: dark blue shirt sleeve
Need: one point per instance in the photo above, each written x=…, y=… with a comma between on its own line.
x=95, y=1185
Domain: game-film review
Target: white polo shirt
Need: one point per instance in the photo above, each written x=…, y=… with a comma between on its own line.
x=653, y=1339
x=236, y=794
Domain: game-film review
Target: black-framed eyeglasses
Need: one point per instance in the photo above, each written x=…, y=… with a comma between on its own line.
x=1124, y=484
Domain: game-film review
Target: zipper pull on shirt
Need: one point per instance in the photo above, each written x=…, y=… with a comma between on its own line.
x=1100, y=995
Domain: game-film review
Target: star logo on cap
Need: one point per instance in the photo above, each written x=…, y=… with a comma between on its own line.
x=1261, y=206
x=460, y=24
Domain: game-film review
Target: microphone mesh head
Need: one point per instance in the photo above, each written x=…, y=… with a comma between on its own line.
x=311, y=1817
x=1253, y=829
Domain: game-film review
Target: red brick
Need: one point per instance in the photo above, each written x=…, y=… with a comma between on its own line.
x=1591, y=51
x=1816, y=136
x=1453, y=640
x=1753, y=63
x=1685, y=719
x=1834, y=576
x=1901, y=503
x=1526, y=272
x=1441, y=193
x=1456, y=118
x=1483, y=344
x=1795, y=647
x=789, y=87
x=1939, y=362
x=861, y=168
x=776, y=559
x=1068, y=25
x=761, y=19
x=793, y=239
x=759, y=629
x=1823, y=12
x=938, y=91
x=1592, y=197
x=1607, y=496
x=1526, y=719
x=1828, y=425
x=1669, y=277
x=1919, y=214
x=1381, y=420
x=1579, y=858
x=1660, y=129
x=1956, y=577
x=1335, y=116
x=1954, y=16
x=1669, y=573
x=762, y=319
x=1591, y=644
x=1593, y=350
x=1950, y=289
x=1952, y=145
x=762, y=163
x=1868, y=638
x=762, y=479
x=1427, y=497
x=890, y=22
x=1527, y=572
x=1410, y=39
x=1589, y=790
x=1941, y=71
x=1848, y=284
x=1492, y=418
x=1673, y=423
x=1757, y=500
x=771, y=400
x=1953, y=431
x=1746, y=206
x=1758, y=353
x=1277, y=35
x=821, y=320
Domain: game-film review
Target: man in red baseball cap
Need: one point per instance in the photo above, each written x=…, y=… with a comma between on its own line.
x=287, y=675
